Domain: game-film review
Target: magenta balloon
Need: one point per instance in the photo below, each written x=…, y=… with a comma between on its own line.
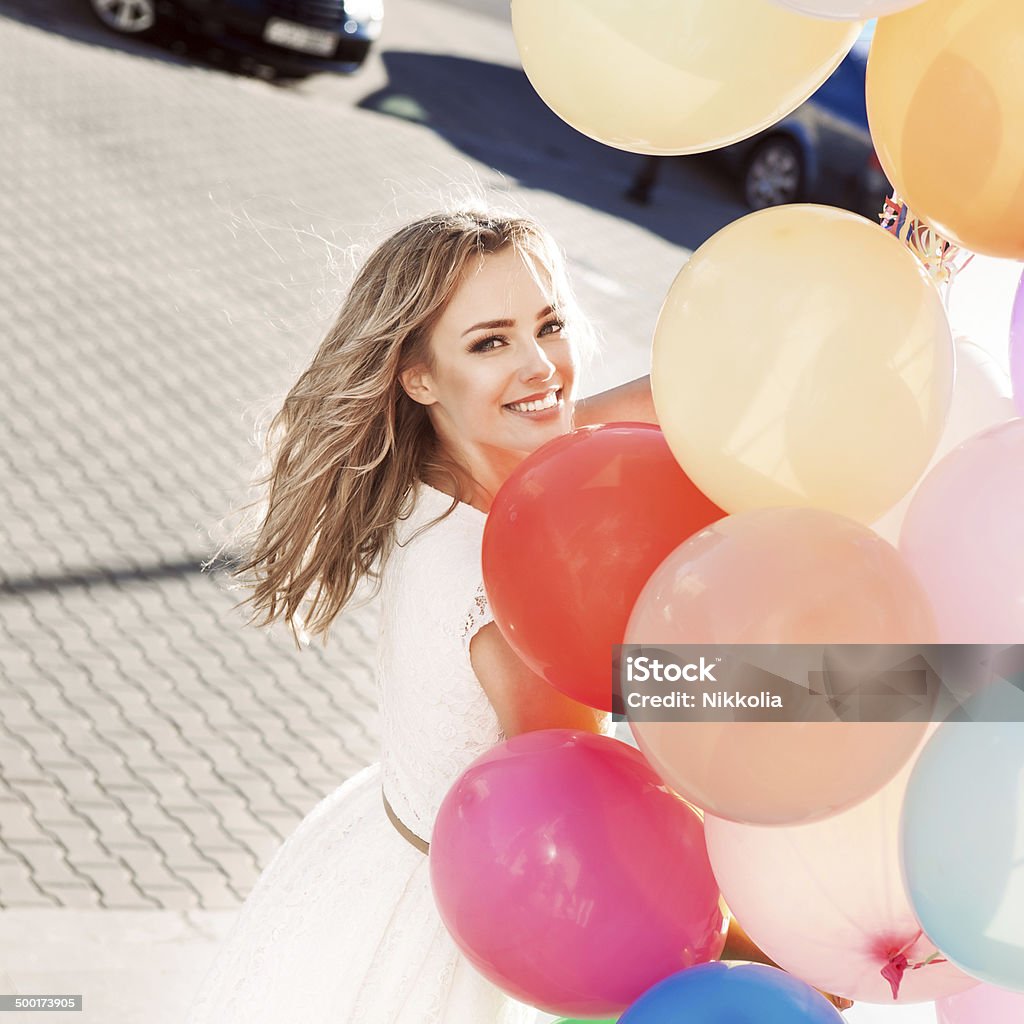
x=984, y=1004
x=963, y=537
x=570, y=876
x=1017, y=347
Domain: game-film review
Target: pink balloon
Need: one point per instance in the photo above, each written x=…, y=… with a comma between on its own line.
x=778, y=576
x=826, y=901
x=1017, y=347
x=984, y=1004
x=963, y=536
x=570, y=876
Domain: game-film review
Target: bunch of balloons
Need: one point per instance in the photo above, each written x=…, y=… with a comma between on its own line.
x=829, y=467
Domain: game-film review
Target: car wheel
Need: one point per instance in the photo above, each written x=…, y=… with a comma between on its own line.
x=774, y=174
x=129, y=17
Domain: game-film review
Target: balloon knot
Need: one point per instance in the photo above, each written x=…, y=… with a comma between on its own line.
x=893, y=972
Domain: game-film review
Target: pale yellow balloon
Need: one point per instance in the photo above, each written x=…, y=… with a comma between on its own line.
x=803, y=357
x=674, y=76
x=945, y=95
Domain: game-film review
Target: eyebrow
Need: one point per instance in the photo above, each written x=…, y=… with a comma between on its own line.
x=490, y=325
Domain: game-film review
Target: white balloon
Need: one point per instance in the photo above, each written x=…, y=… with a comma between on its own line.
x=847, y=10
x=981, y=399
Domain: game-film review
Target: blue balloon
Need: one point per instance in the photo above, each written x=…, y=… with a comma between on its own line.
x=962, y=842
x=719, y=993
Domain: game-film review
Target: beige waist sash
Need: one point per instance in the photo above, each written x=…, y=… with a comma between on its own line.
x=406, y=833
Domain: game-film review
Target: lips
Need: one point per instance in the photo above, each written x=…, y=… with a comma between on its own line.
x=532, y=404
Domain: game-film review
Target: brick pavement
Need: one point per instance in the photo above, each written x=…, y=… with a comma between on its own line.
x=174, y=239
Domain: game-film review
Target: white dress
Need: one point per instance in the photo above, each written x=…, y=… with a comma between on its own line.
x=341, y=927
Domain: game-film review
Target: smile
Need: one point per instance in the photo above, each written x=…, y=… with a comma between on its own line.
x=550, y=401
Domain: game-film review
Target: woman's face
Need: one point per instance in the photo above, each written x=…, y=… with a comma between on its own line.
x=504, y=369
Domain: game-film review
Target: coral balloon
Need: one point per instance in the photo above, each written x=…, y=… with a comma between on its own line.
x=962, y=536
x=981, y=399
x=945, y=103
x=962, y=840
x=667, y=77
x=854, y=921
x=849, y=10
x=570, y=876
x=984, y=1004
x=778, y=576
x=572, y=537
x=1017, y=347
x=778, y=382
x=737, y=994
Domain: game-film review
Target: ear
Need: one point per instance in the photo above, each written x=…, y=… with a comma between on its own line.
x=416, y=383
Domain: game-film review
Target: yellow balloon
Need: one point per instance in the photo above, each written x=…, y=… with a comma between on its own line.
x=674, y=76
x=945, y=98
x=803, y=357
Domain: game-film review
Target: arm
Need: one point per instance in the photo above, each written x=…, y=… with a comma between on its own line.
x=523, y=700
x=630, y=403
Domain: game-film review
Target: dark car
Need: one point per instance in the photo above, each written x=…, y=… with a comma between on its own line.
x=820, y=152
x=295, y=37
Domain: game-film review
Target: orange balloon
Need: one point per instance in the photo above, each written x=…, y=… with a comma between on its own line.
x=945, y=100
x=780, y=576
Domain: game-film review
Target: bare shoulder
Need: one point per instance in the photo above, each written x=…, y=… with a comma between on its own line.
x=630, y=402
x=523, y=700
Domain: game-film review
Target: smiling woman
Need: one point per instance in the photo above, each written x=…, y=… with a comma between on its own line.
x=454, y=356
x=295, y=36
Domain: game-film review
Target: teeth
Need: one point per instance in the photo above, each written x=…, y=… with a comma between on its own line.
x=548, y=402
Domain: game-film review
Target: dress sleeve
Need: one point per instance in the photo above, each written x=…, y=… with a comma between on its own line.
x=478, y=614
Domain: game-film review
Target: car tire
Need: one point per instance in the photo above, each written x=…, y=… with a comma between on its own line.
x=126, y=17
x=773, y=173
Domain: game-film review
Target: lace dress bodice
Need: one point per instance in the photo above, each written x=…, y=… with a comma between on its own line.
x=436, y=718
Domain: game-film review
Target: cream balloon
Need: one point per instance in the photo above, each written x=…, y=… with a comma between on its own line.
x=981, y=399
x=803, y=357
x=847, y=10
x=825, y=901
x=945, y=100
x=674, y=76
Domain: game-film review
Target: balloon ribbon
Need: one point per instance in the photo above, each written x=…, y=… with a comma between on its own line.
x=942, y=258
x=898, y=965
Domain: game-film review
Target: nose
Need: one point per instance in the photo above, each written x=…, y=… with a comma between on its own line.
x=537, y=365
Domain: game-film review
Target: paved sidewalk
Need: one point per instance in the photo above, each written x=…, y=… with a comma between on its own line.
x=175, y=239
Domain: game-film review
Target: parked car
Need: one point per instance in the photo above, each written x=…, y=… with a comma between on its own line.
x=296, y=37
x=820, y=152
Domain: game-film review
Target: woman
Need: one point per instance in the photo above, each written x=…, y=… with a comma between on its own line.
x=454, y=357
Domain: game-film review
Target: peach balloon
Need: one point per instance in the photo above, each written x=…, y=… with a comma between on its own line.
x=945, y=103
x=825, y=901
x=674, y=76
x=803, y=357
x=780, y=576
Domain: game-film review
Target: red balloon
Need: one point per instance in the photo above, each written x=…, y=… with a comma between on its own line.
x=570, y=875
x=570, y=541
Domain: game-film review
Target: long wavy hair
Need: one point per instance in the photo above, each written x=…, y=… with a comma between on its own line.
x=348, y=444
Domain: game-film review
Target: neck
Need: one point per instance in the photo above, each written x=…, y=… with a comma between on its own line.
x=478, y=478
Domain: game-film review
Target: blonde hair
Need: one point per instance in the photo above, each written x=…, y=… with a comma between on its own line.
x=348, y=443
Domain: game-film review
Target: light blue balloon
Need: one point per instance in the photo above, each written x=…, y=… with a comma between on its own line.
x=718, y=993
x=962, y=843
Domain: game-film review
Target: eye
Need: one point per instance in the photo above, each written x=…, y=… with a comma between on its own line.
x=486, y=344
x=552, y=327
